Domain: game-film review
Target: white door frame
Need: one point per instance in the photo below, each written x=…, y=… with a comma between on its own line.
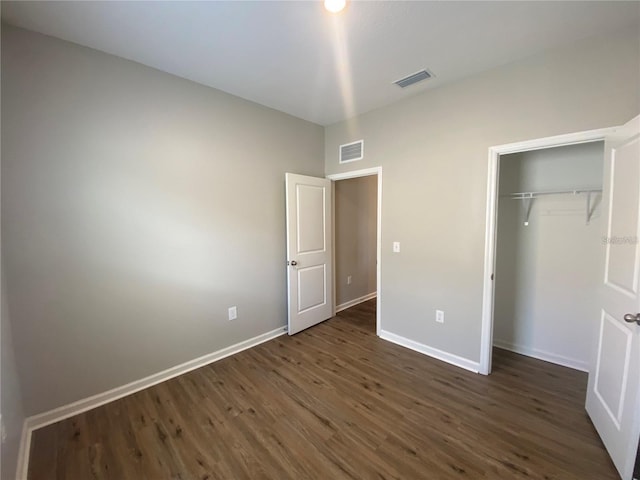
x=354, y=174
x=486, y=337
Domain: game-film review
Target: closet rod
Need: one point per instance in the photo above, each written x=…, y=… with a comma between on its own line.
x=523, y=195
x=528, y=197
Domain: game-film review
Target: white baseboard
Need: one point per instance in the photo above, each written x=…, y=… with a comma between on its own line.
x=432, y=352
x=57, y=414
x=543, y=355
x=355, y=301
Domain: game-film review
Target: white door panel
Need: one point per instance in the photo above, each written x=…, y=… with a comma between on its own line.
x=311, y=287
x=613, y=394
x=311, y=216
x=622, y=252
x=614, y=350
x=309, y=251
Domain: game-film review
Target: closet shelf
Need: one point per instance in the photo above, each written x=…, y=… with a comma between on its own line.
x=527, y=198
x=524, y=195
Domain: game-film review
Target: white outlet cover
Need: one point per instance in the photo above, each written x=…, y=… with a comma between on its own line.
x=233, y=313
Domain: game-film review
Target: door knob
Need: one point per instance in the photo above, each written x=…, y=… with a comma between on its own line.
x=293, y=263
x=630, y=317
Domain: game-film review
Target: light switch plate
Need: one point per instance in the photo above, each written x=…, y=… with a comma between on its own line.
x=396, y=247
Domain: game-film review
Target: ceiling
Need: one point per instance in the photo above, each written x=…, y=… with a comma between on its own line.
x=300, y=59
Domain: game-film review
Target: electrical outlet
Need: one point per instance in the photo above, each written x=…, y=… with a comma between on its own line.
x=439, y=316
x=396, y=247
x=348, y=279
x=233, y=313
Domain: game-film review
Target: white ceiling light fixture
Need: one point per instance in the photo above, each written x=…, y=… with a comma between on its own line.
x=335, y=6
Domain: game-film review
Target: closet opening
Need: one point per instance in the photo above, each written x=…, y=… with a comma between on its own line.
x=547, y=253
x=357, y=230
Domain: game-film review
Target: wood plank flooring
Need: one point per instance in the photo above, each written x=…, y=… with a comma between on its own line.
x=336, y=402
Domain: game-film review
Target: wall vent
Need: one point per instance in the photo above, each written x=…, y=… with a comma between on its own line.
x=350, y=152
x=413, y=78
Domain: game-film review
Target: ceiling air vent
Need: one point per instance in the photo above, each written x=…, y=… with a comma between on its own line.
x=413, y=78
x=350, y=152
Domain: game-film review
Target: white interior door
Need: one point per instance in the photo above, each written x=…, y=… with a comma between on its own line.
x=309, y=251
x=613, y=395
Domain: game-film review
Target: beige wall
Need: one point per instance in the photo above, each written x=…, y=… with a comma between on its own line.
x=434, y=147
x=136, y=208
x=11, y=405
x=548, y=273
x=356, y=210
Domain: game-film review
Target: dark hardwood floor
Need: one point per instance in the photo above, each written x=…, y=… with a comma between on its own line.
x=336, y=402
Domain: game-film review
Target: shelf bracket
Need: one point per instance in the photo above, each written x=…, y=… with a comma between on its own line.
x=527, y=202
x=591, y=205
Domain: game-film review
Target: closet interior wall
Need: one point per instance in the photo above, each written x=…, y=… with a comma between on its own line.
x=548, y=272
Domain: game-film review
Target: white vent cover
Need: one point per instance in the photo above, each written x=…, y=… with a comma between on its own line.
x=413, y=78
x=350, y=152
